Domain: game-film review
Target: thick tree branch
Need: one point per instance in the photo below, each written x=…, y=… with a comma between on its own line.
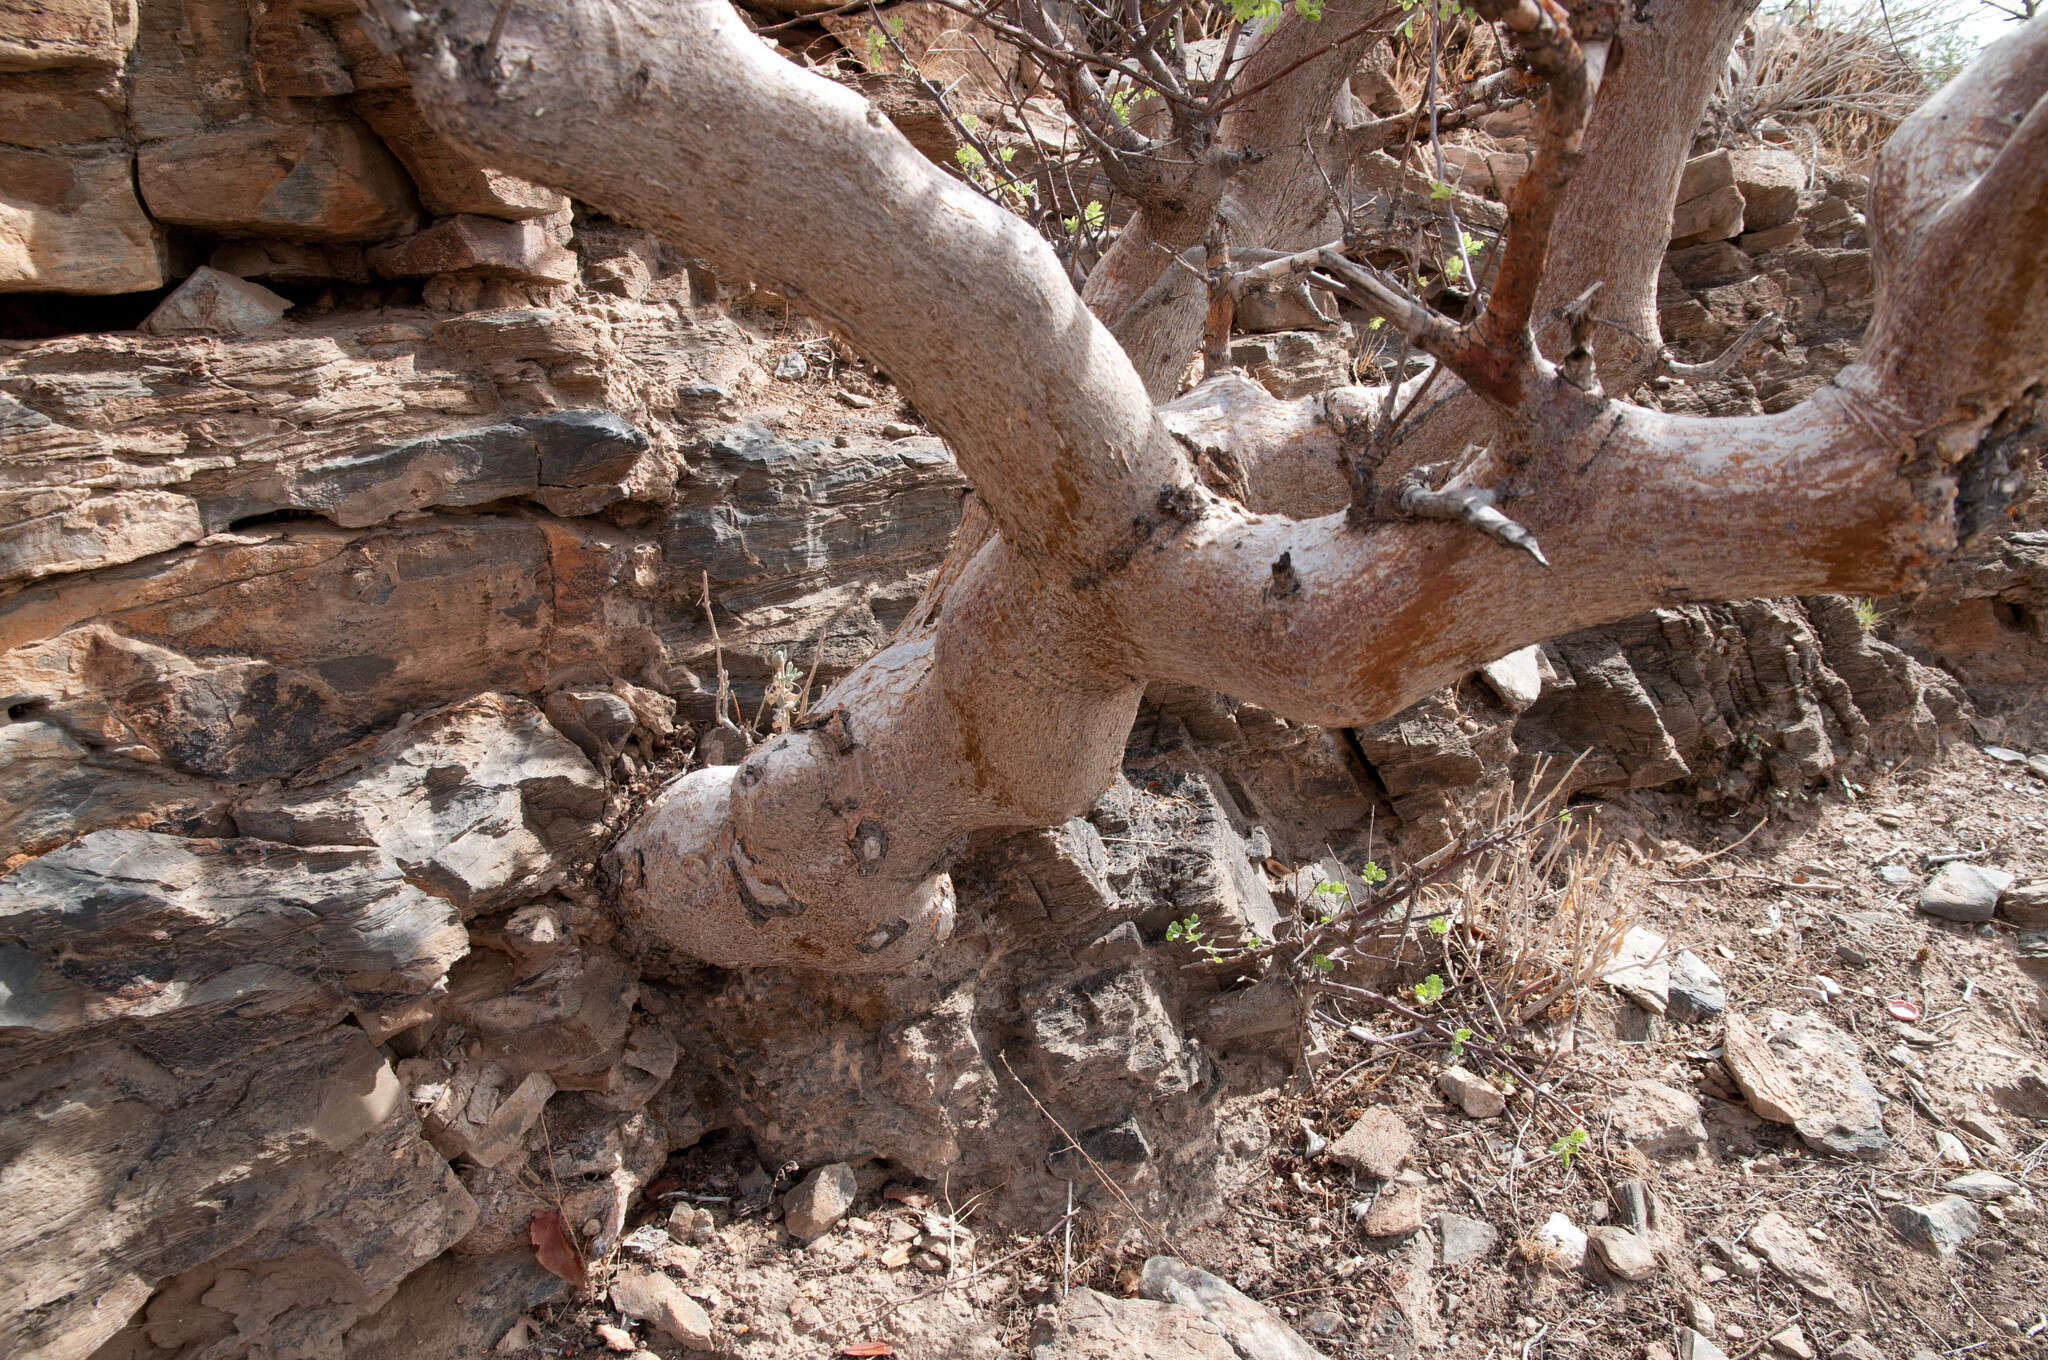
x=669, y=114
x=1006, y=702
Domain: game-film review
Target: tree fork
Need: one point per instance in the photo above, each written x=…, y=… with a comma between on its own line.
x=1104, y=562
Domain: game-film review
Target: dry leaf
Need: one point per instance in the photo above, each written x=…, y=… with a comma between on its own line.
x=554, y=1248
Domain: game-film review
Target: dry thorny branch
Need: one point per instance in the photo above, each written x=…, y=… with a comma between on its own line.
x=1509, y=924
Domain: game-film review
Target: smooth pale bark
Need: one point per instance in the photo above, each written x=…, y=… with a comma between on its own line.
x=1105, y=563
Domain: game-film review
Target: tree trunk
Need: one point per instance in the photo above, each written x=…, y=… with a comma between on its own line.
x=1107, y=563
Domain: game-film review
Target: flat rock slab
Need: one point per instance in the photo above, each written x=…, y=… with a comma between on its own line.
x=1379, y=1144
x=1253, y=1331
x=1964, y=892
x=1841, y=1112
x=1092, y=1326
x=1939, y=1227
x=1658, y=1119
x=1462, y=1240
x=1792, y=1254
x=1627, y=1254
x=1758, y=1074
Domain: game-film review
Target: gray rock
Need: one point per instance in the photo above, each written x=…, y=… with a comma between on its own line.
x=1983, y=1186
x=1252, y=1329
x=647, y=1295
x=1964, y=892
x=792, y=367
x=483, y=801
x=1092, y=1326
x=1696, y=993
x=1517, y=677
x=1461, y=1240
x=1693, y=1345
x=1939, y=1227
x=819, y=1201
x=1840, y=1112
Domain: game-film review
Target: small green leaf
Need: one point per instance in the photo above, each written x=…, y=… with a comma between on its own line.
x=1323, y=963
x=1439, y=925
x=1440, y=190
x=1430, y=990
x=1567, y=1146
x=1371, y=872
x=1458, y=1038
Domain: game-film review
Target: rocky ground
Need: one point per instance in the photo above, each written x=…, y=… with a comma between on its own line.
x=356, y=587
x=1814, y=1125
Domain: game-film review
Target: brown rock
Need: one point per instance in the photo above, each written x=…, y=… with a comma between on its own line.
x=213, y=303
x=521, y=251
x=1774, y=238
x=1704, y=174
x=1792, y=1254
x=653, y=1298
x=302, y=182
x=1395, y=1212
x=291, y=262
x=73, y=225
x=450, y=181
x=1770, y=178
x=35, y=34
x=1471, y=1093
x=292, y=52
x=1625, y=1252
x=59, y=108
x=96, y=531
x=1713, y=216
x=1759, y=1075
x=1378, y=1144
x=820, y=1200
x=1092, y=1326
x=1659, y=1119
x=482, y=1111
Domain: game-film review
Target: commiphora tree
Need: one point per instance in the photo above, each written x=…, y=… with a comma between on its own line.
x=1331, y=558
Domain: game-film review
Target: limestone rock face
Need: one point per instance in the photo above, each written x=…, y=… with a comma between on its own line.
x=323, y=181
x=42, y=33
x=170, y=1033
x=73, y=225
x=484, y=801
